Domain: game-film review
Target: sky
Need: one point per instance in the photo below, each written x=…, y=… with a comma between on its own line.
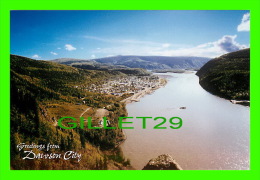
x=50, y=35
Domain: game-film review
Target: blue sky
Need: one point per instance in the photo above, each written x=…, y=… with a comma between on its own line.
x=93, y=34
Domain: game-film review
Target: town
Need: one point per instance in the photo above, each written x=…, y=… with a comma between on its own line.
x=126, y=85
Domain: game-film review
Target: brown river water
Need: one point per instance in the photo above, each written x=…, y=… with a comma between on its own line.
x=214, y=134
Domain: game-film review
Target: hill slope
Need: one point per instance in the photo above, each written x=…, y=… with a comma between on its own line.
x=228, y=75
x=41, y=93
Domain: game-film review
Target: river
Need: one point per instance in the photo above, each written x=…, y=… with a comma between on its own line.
x=214, y=134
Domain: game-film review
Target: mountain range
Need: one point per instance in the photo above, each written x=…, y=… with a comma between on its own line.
x=145, y=62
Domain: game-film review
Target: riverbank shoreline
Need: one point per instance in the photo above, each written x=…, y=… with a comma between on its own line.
x=137, y=96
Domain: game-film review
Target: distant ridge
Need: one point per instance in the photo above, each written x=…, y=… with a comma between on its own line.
x=145, y=62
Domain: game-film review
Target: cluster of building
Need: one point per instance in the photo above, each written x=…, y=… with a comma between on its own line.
x=130, y=84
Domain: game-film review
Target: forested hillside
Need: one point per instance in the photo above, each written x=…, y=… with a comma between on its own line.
x=228, y=75
x=41, y=93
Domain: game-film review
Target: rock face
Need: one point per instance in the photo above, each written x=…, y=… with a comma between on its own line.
x=162, y=162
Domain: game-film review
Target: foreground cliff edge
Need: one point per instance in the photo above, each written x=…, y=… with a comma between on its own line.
x=228, y=76
x=162, y=162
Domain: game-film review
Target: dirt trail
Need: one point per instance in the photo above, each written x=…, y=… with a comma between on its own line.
x=84, y=112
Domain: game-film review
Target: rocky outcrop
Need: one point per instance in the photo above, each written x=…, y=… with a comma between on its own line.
x=162, y=162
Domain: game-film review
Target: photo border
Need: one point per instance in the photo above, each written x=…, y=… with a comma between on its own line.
x=7, y=5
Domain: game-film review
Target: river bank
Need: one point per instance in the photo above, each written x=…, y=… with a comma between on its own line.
x=137, y=96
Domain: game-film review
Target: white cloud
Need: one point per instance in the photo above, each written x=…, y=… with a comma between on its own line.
x=58, y=48
x=221, y=46
x=228, y=43
x=245, y=23
x=211, y=49
x=166, y=45
x=54, y=53
x=69, y=47
x=36, y=56
x=93, y=56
